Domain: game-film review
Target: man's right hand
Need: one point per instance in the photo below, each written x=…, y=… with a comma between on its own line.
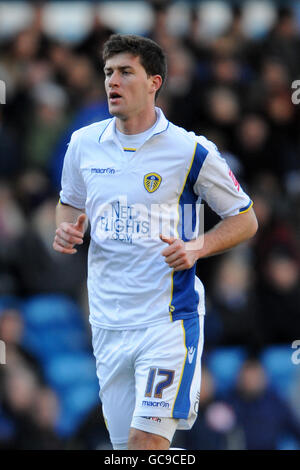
x=68, y=235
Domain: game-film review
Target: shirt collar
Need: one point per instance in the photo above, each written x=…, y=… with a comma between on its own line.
x=109, y=132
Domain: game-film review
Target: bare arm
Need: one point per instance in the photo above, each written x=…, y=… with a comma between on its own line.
x=228, y=233
x=71, y=224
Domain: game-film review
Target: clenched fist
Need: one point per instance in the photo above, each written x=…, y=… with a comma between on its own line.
x=68, y=235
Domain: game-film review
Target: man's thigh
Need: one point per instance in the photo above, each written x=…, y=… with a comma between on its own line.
x=116, y=381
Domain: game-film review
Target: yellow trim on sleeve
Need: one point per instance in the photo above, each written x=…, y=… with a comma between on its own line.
x=248, y=208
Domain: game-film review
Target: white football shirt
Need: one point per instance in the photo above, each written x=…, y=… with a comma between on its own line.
x=130, y=197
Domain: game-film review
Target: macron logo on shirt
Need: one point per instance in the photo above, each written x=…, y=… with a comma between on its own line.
x=108, y=171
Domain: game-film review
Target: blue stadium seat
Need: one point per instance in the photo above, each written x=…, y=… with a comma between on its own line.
x=277, y=361
x=70, y=369
x=224, y=363
x=45, y=310
x=287, y=442
x=9, y=301
x=76, y=402
x=53, y=325
x=48, y=343
x=80, y=399
x=67, y=423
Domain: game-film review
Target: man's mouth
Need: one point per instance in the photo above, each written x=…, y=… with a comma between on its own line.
x=114, y=96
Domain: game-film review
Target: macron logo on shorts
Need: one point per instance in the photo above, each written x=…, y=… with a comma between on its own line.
x=161, y=404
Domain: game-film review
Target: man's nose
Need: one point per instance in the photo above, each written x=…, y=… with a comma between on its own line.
x=114, y=79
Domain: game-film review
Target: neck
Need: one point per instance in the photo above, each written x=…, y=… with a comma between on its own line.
x=136, y=124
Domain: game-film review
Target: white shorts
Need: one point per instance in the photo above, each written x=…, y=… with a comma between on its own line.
x=151, y=372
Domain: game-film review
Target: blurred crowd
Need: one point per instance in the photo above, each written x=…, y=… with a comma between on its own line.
x=237, y=91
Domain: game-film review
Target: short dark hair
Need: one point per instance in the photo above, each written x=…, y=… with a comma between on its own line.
x=151, y=55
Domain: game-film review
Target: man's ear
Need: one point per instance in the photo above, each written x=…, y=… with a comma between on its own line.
x=156, y=83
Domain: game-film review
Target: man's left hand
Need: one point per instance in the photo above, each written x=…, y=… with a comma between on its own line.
x=178, y=255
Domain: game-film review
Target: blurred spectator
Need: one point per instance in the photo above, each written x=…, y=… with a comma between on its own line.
x=12, y=225
x=31, y=188
x=223, y=110
x=233, y=41
x=235, y=301
x=18, y=395
x=160, y=30
x=39, y=269
x=22, y=54
x=279, y=297
x=45, y=414
x=283, y=41
x=11, y=332
x=12, y=222
x=30, y=411
x=48, y=121
x=92, y=433
x=82, y=82
x=182, y=91
x=60, y=57
x=192, y=41
x=262, y=415
x=252, y=144
x=9, y=167
x=277, y=227
x=92, y=44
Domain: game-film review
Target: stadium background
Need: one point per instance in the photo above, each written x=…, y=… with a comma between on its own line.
x=231, y=68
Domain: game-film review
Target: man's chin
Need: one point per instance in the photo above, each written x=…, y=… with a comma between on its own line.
x=115, y=112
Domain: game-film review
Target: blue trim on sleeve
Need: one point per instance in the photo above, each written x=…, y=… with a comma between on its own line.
x=188, y=197
x=199, y=158
x=63, y=203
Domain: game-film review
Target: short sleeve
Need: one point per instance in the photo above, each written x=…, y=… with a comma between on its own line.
x=73, y=190
x=217, y=185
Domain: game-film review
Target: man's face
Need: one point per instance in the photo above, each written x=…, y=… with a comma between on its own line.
x=130, y=91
